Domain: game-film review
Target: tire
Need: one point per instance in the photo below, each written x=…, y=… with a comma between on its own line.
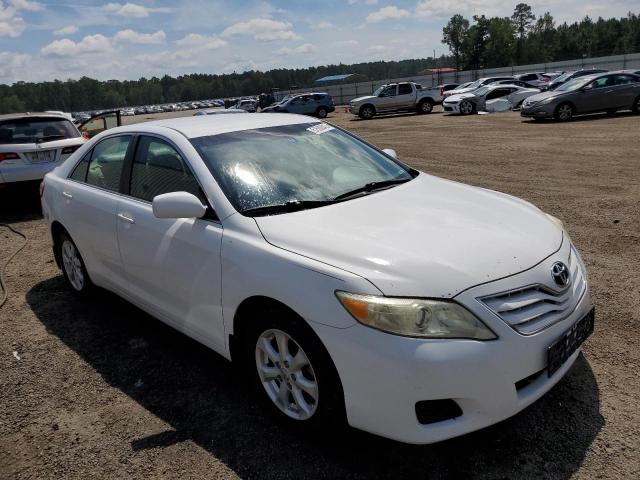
x=367, y=112
x=467, y=107
x=425, y=106
x=321, y=112
x=636, y=106
x=564, y=112
x=73, y=267
x=308, y=396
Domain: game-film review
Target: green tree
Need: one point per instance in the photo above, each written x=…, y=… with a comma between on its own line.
x=522, y=19
x=454, y=34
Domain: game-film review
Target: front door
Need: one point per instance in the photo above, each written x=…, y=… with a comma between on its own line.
x=173, y=265
x=387, y=99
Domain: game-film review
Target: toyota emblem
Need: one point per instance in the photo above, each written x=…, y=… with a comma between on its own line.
x=560, y=274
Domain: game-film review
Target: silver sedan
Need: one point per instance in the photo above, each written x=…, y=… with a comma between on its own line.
x=604, y=92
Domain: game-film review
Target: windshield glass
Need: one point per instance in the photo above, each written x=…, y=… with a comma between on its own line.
x=474, y=85
x=573, y=84
x=562, y=77
x=293, y=163
x=378, y=91
x=36, y=130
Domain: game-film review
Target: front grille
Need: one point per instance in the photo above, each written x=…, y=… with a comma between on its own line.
x=536, y=307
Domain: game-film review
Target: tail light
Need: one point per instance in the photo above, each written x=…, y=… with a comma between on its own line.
x=70, y=150
x=8, y=156
x=442, y=92
x=41, y=188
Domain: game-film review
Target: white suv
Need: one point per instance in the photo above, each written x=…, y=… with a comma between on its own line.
x=346, y=284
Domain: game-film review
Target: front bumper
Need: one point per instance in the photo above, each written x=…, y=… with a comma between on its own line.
x=354, y=109
x=536, y=111
x=384, y=376
x=451, y=107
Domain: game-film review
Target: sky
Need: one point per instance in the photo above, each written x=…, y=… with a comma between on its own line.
x=61, y=39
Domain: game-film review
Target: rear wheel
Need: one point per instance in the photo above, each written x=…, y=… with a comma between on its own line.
x=425, y=106
x=73, y=266
x=564, y=112
x=636, y=106
x=467, y=107
x=291, y=372
x=322, y=112
x=367, y=112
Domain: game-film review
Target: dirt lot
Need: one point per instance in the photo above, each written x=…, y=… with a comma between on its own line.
x=98, y=389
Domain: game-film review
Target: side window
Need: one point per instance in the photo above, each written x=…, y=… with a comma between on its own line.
x=158, y=168
x=80, y=172
x=601, y=82
x=105, y=168
x=390, y=91
x=529, y=77
x=404, y=89
x=497, y=93
x=623, y=80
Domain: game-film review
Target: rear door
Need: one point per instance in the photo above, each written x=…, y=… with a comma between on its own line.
x=406, y=98
x=624, y=90
x=87, y=209
x=173, y=265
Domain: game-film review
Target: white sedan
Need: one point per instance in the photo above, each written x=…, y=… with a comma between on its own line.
x=475, y=101
x=31, y=144
x=346, y=284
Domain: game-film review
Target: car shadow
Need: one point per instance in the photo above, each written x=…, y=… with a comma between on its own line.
x=199, y=394
x=20, y=202
x=582, y=118
x=387, y=116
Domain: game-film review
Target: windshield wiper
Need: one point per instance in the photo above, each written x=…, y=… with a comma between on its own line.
x=371, y=187
x=290, y=206
x=49, y=138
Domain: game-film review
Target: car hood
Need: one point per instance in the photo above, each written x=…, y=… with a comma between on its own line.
x=459, y=97
x=361, y=99
x=426, y=238
x=538, y=97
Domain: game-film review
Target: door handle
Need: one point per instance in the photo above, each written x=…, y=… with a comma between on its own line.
x=126, y=218
x=67, y=195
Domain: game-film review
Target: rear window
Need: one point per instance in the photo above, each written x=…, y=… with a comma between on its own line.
x=36, y=130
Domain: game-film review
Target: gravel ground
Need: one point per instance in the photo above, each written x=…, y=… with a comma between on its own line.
x=97, y=388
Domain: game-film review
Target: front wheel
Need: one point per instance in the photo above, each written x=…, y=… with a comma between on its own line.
x=564, y=112
x=467, y=107
x=292, y=373
x=322, y=112
x=367, y=112
x=636, y=106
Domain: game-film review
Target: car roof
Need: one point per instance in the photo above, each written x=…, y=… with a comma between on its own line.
x=16, y=116
x=207, y=125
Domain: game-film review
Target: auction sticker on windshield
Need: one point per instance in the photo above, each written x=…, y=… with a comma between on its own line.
x=320, y=128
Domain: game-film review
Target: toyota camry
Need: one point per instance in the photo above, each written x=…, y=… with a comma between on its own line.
x=348, y=286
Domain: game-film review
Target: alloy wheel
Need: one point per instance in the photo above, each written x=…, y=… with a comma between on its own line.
x=565, y=112
x=286, y=374
x=367, y=112
x=426, y=107
x=322, y=113
x=466, y=107
x=72, y=265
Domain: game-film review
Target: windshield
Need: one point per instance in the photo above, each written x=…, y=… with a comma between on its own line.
x=474, y=85
x=562, y=77
x=573, y=84
x=36, y=130
x=293, y=163
x=378, y=91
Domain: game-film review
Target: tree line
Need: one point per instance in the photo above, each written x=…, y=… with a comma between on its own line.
x=480, y=43
x=524, y=39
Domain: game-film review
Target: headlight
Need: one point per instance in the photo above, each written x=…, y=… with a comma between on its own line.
x=415, y=317
x=555, y=220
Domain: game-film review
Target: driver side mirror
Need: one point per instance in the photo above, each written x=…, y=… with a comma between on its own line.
x=391, y=152
x=587, y=87
x=177, y=205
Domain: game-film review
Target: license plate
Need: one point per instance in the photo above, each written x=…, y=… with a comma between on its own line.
x=559, y=351
x=42, y=156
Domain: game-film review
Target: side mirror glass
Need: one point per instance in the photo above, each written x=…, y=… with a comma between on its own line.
x=178, y=205
x=391, y=152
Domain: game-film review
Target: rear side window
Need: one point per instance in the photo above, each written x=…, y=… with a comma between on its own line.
x=80, y=172
x=105, y=168
x=404, y=89
x=528, y=77
x=158, y=168
x=318, y=97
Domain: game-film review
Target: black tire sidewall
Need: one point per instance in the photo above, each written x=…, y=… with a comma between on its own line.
x=421, y=105
x=557, y=116
x=330, y=409
x=364, y=109
x=322, y=109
